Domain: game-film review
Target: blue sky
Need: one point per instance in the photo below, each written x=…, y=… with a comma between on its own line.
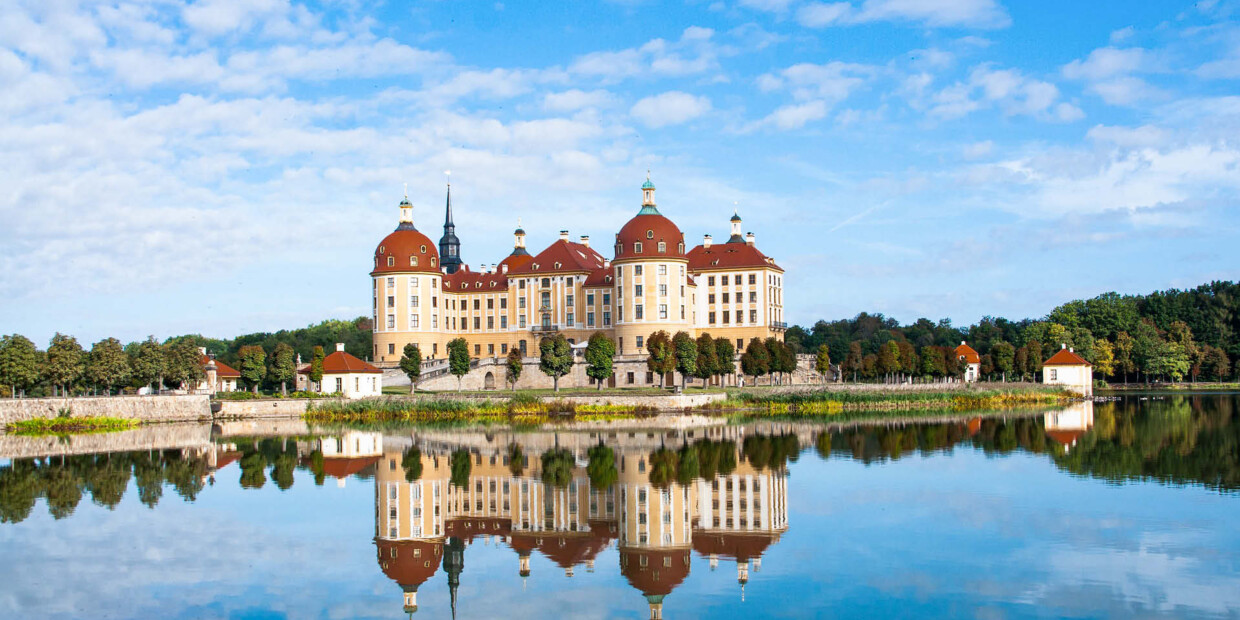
x=228, y=166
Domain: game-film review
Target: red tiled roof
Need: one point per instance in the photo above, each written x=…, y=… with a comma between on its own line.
x=400, y=245
x=649, y=229
x=970, y=356
x=728, y=256
x=345, y=467
x=398, y=561
x=221, y=369
x=654, y=578
x=1066, y=438
x=571, y=257
x=340, y=362
x=466, y=281
x=468, y=528
x=1064, y=357
x=514, y=260
x=736, y=546
x=600, y=277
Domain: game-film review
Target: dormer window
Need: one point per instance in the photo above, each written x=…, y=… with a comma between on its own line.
x=391, y=261
x=382, y=249
x=433, y=261
x=557, y=264
x=424, y=249
x=650, y=234
x=619, y=249
x=662, y=247
x=637, y=247
x=413, y=261
x=681, y=247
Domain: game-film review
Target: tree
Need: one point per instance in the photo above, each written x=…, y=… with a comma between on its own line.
x=853, y=361
x=411, y=462
x=600, y=358
x=283, y=366
x=1216, y=364
x=783, y=357
x=725, y=358
x=908, y=358
x=461, y=466
x=253, y=365
x=19, y=364
x=707, y=363
x=557, y=467
x=555, y=358
x=515, y=366
x=1104, y=359
x=931, y=361
x=516, y=459
x=1003, y=355
x=182, y=362
x=64, y=364
x=107, y=366
x=661, y=356
x=822, y=361
x=986, y=365
x=602, y=467
x=1036, y=355
x=411, y=365
x=1020, y=363
x=756, y=360
x=889, y=359
x=146, y=361
x=685, y=350
x=1123, y=354
x=316, y=369
x=458, y=359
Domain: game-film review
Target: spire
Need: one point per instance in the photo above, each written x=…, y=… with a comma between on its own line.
x=648, y=206
x=449, y=244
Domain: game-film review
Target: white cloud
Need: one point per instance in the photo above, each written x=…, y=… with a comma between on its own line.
x=573, y=100
x=694, y=53
x=977, y=150
x=670, y=108
x=1008, y=89
x=934, y=13
x=217, y=17
x=833, y=81
x=770, y=6
x=796, y=116
x=1145, y=135
x=1106, y=62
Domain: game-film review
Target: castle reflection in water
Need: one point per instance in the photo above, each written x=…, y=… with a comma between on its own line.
x=643, y=500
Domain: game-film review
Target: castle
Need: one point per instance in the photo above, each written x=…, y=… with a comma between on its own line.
x=426, y=295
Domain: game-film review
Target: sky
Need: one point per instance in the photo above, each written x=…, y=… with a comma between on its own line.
x=228, y=166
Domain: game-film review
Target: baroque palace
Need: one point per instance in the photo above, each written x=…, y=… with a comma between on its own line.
x=426, y=295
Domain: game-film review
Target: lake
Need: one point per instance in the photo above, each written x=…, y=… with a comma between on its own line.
x=1109, y=509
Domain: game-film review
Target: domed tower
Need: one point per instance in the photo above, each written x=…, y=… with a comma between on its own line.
x=519, y=256
x=650, y=270
x=405, y=288
x=449, y=245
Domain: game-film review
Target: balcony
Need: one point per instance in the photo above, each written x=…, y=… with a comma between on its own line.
x=779, y=325
x=545, y=329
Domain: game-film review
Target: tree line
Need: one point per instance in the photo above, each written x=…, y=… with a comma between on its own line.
x=1171, y=335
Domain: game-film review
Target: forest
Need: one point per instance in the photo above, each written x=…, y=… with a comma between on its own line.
x=1171, y=335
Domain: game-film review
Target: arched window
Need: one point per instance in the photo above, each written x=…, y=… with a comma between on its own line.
x=391, y=261
x=433, y=261
x=650, y=234
x=424, y=249
x=382, y=249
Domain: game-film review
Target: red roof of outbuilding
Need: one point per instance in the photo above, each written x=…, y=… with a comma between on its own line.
x=649, y=229
x=970, y=356
x=1066, y=438
x=344, y=467
x=569, y=256
x=728, y=256
x=1064, y=357
x=340, y=362
x=221, y=369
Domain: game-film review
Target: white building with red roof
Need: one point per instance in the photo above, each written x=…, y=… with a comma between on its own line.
x=216, y=375
x=346, y=375
x=972, y=362
x=1069, y=370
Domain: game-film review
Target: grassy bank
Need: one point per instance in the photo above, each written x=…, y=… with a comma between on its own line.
x=1173, y=387
x=67, y=425
x=522, y=409
x=832, y=403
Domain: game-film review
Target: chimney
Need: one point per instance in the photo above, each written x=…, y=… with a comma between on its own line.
x=585, y=240
x=340, y=346
x=706, y=241
x=299, y=359
x=606, y=264
x=505, y=268
x=962, y=343
x=1070, y=350
x=1063, y=345
x=202, y=350
x=563, y=235
x=749, y=239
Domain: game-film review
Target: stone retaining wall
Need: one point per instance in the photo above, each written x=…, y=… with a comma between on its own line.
x=192, y=436
x=163, y=408
x=263, y=408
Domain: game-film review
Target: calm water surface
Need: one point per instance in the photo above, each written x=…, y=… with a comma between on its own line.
x=1125, y=509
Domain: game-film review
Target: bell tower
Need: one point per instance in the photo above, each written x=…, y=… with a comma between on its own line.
x=449, y=244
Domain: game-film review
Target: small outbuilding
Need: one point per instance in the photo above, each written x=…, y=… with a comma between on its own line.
x=216, y=375
x=972, y=361
x=346, y=375
x=1067, y=369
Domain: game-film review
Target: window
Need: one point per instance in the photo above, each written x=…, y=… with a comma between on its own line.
x=606, y=318
x=589, y=299
x=1054, y=374
x=568, y=319
x=413, y=321
x=606, y=299
x=740, y=344
x=637, y=290
x=710, y=318
x=503, y=303
x=490, y=304
x=753, y=297
x=682, y=312
x=391, y=300
x=503, y=349
x=391, y=283
x=637, y=270
x=629, y=378
x=662, y=247
x=546, y=299
x=391, y=261
x=753, y=316
x=589, y=319
x=725, y=298
x=503, y=322
x=413, y=301
x=726, y=316
x=521, y=284
x=391, y=349
x=569, y=300
x=490, y=349
x=662, y=290
x=490, y=322
x=391, y=321
x=477, y=304
x=640, y=340
x=736, y=279
x=753, y=278
x=710, y=281
x=477, y=323
x=521, y=321
x=424, y=249
x=434, y=321
x=434, y=302
x=662, y=311
x=413, y=261
x=637, y=313
x=521, y=303
x=710, y=298
x=477, y=349
x=546, y=282
x=339, y=384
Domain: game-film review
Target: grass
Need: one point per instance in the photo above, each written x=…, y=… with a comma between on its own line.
x=813, y=403
x=63, y=425
x=1202, y=386
x=521, y=409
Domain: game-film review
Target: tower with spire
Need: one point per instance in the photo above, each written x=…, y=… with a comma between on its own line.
x=449, y=244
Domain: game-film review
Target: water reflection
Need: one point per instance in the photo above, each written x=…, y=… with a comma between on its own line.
x=658, y=496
